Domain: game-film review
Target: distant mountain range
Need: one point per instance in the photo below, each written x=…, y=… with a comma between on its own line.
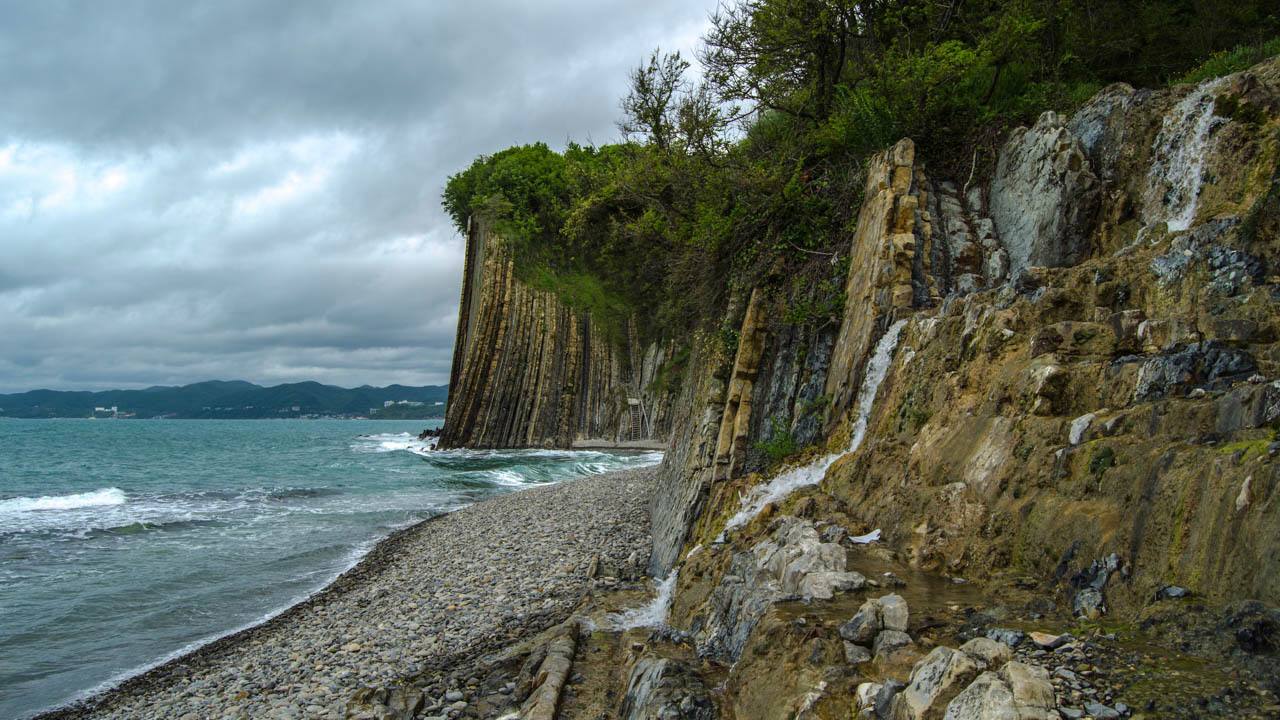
x=234, y=399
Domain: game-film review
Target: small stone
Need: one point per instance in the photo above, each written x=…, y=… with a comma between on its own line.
x=1008, y=636
x=990, y=652
x=1071, y=713
x=893, y=613
x=865, y=624
x=453, y=696
x=889, y=641
x=855, y=654
x=1172, y=592
x=1100, y=711
x=1047, y=641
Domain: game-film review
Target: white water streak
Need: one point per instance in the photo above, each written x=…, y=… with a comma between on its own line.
x=1176, y=176
x=788, y=482
x=653, y=613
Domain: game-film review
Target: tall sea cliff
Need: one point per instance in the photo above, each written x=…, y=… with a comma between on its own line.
x=1058, y=383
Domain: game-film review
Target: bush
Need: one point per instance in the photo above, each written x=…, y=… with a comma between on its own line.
x=1226, y=62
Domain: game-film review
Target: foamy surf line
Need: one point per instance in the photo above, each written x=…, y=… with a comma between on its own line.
x=95, y=498
x=365, y=561
x=207, y=643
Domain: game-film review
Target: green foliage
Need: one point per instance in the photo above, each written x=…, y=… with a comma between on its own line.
x=1104, y=458
x=780, y=443
x=1225, y=62
x=662, y=228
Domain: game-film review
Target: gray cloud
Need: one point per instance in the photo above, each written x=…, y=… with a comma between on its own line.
x=247, y=189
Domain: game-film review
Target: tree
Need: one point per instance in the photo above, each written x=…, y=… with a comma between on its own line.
x=650, y=107
x=787, y=55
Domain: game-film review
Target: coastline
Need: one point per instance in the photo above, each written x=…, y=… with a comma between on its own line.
x=154, y=691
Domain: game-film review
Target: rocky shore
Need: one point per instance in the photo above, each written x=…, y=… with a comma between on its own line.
x=426, y=602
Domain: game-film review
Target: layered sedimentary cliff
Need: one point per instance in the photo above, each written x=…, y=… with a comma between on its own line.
x=531, y=371
x=1084, y=398
x=1058, y=386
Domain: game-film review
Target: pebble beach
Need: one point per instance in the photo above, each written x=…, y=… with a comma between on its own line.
x=428, y=598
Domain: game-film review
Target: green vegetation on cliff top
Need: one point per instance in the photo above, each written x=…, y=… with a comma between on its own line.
x=753, y=177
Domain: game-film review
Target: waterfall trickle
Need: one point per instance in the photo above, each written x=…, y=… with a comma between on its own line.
x=1176, y=175
x=812, y=474
x=652, y=614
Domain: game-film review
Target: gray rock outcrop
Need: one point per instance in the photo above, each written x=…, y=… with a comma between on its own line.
x=1044, y=197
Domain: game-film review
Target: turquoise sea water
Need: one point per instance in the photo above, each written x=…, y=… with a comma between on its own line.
x=123, y=543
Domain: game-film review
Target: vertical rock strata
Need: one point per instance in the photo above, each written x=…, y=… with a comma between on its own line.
x=1086, y=394
x=531, y=371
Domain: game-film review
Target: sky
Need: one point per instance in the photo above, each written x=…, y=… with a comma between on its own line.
x=249, y=189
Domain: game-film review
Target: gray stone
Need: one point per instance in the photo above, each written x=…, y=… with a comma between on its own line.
x=893, y=613
x=1032, y=691
x=986, y=698
x=1044, y=196
x=885, y=697
x=865, y=624
x=889, y=642
x=1100, y=711
x=855, y=654
x=935, y=680
x=1008, y=636
x=665, y=689
x=990, y=652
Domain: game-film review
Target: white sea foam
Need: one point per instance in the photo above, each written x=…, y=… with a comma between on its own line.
x=100, y=497
x=653, y=613
x=788, y=482
x=394, y=442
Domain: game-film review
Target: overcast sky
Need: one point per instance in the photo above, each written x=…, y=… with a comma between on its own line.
x=249, y=189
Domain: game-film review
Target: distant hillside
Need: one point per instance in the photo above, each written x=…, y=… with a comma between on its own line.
x=230, y=400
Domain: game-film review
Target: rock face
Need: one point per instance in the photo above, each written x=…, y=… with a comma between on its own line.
x=1044, y=197
x=664, y=689
x=1090, y=401
x=530, y=371
x=792, y=563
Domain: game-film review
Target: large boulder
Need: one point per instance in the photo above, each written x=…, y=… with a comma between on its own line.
x=1044, y=197
x=935, y=680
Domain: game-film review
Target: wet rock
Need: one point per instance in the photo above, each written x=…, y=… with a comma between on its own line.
x=792, y=563
x=935, y=680
x=1044, y=196
x=1089, y=585
x=665, y=689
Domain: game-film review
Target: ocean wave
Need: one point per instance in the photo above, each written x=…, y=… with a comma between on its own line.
x=393, y=442
x=96, y=498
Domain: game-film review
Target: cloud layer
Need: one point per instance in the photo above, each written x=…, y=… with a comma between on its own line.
x=247, y=189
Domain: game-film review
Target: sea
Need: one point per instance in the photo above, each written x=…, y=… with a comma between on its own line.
x=124, y=543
